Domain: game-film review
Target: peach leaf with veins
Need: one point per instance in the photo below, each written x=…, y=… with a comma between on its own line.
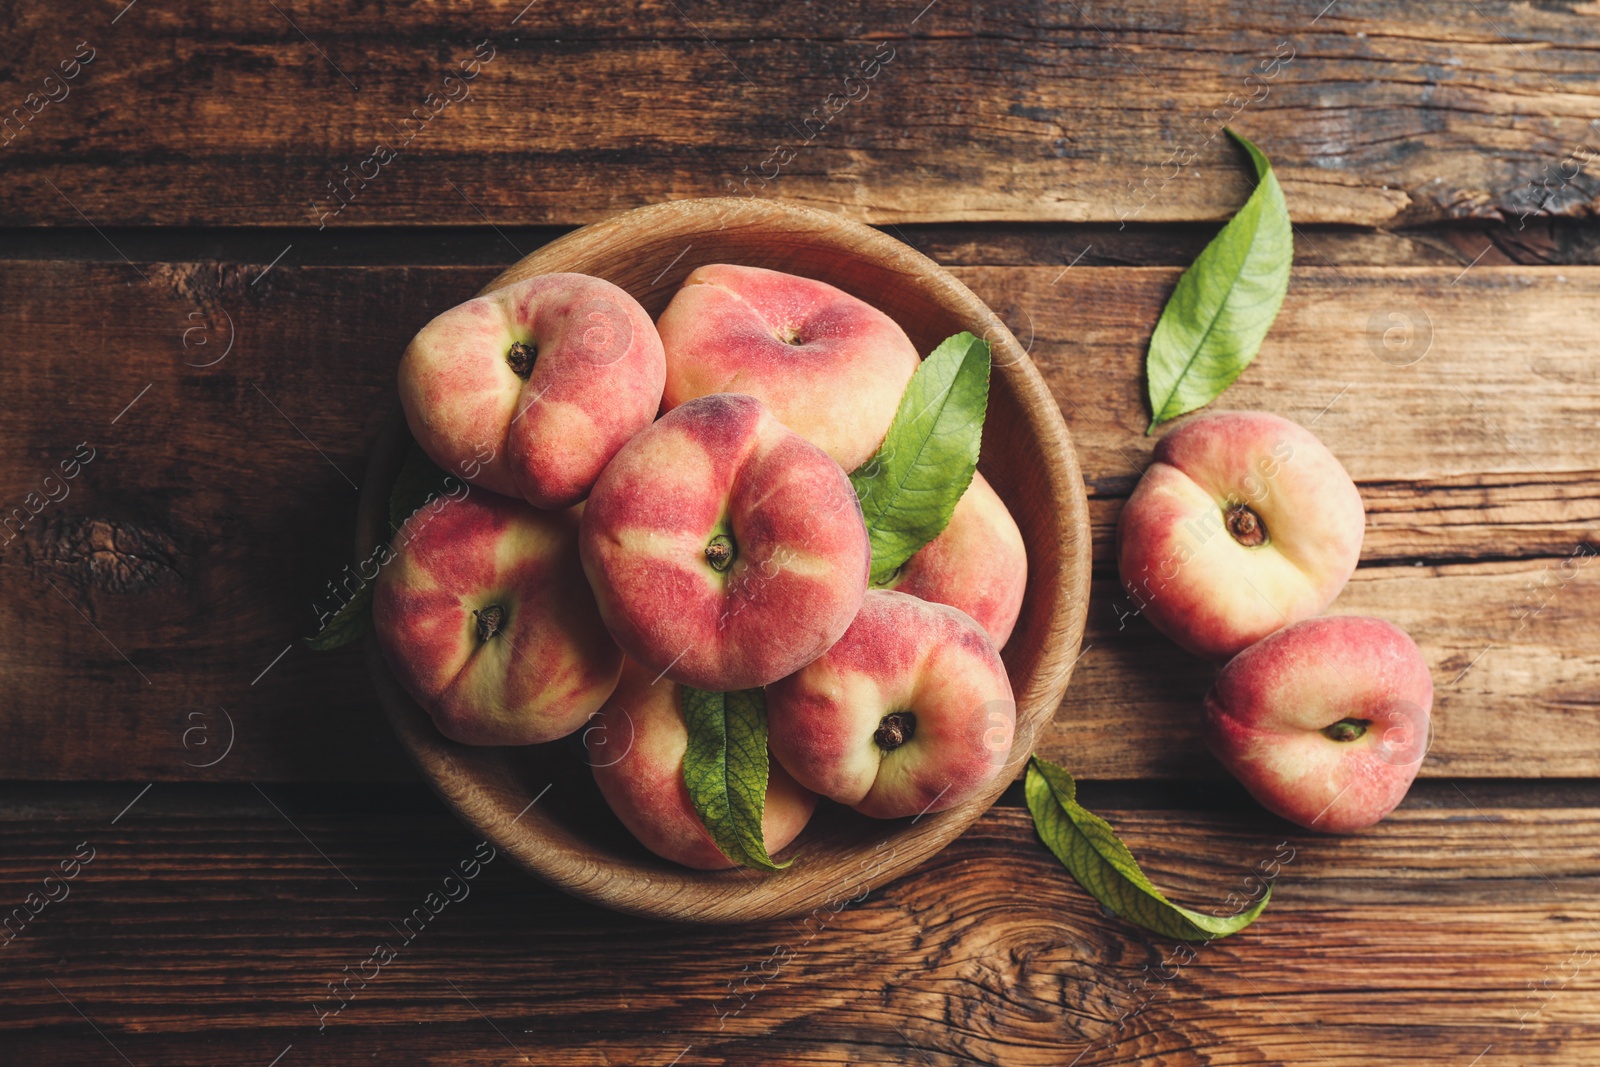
x=1224, y=304
x=909, y=488
x=725, y=769
x=1088, y=847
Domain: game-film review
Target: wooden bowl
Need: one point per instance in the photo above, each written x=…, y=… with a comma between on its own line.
x=539, y=803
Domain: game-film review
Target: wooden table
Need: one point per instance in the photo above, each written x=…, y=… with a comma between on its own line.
x=202, y=325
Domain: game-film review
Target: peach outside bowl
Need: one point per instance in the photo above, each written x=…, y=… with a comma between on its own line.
x=568, y=837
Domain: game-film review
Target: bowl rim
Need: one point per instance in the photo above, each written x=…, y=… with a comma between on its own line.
x=497, y=813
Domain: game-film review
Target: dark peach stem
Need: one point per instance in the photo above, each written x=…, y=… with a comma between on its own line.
x=895, y=730
x=489, y=621
x=521, y=358
x=1246, y=526
x=1346, y=730
x=720, y=552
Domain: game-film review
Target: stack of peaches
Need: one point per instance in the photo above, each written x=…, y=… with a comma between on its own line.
x=660, y=507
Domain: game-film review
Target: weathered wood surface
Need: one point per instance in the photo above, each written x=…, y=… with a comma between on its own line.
x=230, y=380
x=1530, y=242
x=1476, y=462
x=220, y=503
x=1375, y=113
x=211, y=919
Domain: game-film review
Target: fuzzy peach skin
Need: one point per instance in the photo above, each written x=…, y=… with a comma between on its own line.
x=831, y=367
x=1218, y=484
x=910, y=712
x=726, y=551
x=532, y=675
x=594, y=381
x=978, y=563
x=636, y=744
x=1325, y=721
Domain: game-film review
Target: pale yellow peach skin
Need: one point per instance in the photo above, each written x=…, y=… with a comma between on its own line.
x=1243, y=523
x=636, y=745
x=978, y=564
x=485, y=618
x=1325, y=722
x=910, y=712
x=829, y=366
x=725, y=550
x=531, y=389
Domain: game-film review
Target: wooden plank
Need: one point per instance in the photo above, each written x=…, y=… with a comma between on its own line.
x=1377, y=113
x=206, y=930
x=1133, y=708
x=1547, y=242
x=1530, y=242
x=1481, y=448
x=1477, y=462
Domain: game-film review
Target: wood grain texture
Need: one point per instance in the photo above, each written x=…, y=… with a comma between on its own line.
x=1375, y=113
x=1533, y=242
x=206, y=930
x=1476, y=462
x=232, y=379
x=216, y=509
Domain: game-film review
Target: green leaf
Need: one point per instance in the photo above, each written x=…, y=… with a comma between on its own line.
x=1088, y=847
x=725, y=768
x=909, y=488
x=418, y=481
x=1224, y=304
x=348, y=624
